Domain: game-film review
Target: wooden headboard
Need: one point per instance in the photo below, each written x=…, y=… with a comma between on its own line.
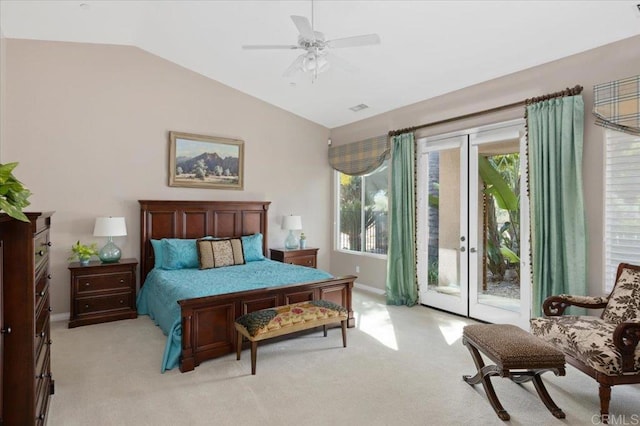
x=194, y=219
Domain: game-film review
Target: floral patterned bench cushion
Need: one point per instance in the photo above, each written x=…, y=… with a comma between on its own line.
x=266, y=320
x=624, y=301
x=585, y=338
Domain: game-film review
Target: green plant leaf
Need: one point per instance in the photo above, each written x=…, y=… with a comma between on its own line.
x=13, y=211
x=509, y=254
x=496, y=185
x=13, y=195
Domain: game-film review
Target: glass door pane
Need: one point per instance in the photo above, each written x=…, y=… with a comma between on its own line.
x=499, y=280
x=442, y=223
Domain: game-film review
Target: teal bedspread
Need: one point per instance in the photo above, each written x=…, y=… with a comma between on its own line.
x=163, y=288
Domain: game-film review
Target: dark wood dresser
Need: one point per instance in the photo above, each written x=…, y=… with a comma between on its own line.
x=304, y=257
x=102, y=292
x=26, y=379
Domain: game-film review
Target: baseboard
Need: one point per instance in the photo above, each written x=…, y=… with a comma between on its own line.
x=60, y=317
x=370, y=289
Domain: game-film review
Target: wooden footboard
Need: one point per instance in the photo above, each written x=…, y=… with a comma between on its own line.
x=208, y=329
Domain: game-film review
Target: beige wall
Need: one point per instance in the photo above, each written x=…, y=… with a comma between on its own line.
x=88, y=124
x=599, y=65
x=3, y=73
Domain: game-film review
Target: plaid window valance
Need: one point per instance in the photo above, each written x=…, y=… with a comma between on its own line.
x=359, y=158
x=617, y=105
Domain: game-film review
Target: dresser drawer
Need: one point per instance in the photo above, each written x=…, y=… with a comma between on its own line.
x=42, y=339
x=43, y=390
x=42, y=358
x=111, y=302
x=309, y=261
x=42, y=290
x=86, y=284
x=42, y=314
x=41, y=246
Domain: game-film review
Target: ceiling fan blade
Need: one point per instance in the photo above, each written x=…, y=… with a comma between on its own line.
x=304, y=27
x=269, y=46
x=295, y=66
x=341, y=63
x=361, y=40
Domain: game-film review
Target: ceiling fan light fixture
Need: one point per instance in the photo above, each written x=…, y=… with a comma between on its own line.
x=313, y=62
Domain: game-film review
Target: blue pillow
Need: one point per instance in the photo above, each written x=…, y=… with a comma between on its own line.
x=179, y=253
x=157, y=253
x=252, y=247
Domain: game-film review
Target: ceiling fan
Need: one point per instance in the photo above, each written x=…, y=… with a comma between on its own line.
x=316, y=57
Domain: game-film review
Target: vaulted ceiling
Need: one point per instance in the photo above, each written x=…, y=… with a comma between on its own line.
x=428, y=48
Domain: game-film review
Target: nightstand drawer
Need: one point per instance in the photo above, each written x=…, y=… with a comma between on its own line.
x=103, y=282
x=112, y=302
x=304, y=257
x=309, y=261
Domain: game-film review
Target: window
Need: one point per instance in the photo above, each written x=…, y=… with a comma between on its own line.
x=363, y=211
x=622, y=203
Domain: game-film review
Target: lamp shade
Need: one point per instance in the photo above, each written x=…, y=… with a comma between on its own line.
x=292, y=223
x=109, y=227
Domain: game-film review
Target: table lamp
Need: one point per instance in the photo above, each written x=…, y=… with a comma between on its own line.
x=110, y=227
x=291, y=223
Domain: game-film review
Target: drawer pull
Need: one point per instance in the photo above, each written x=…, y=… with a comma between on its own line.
x=41, y=253
x=49, y=342
x=121, y=281
x=49, y=243
x=40, y=334
x=40, y=376
x=41, y=417
x=121, y=301
x=6, y=330
x=41, y=294
x=86, y=306
x=50, y=309
x=87, y=284
x=48, y=276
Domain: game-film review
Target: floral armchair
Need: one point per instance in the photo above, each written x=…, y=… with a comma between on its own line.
x=606, y=347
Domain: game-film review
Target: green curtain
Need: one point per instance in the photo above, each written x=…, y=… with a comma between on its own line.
x=558, y=229
x=402, y=287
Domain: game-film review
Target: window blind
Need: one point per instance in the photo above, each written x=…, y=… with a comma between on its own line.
x=622, y=203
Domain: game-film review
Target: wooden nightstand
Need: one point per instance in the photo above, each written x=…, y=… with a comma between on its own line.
x=305, y=257
x=102, y=292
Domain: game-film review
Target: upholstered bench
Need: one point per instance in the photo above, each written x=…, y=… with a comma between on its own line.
x=517, y=355
x=287, y=319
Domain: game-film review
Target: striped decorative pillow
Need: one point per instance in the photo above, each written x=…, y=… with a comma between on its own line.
x=219, y=253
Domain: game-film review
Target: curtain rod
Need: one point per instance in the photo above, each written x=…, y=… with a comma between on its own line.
x=576, y=90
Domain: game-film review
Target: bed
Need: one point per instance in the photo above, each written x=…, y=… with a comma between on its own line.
x=205, y=329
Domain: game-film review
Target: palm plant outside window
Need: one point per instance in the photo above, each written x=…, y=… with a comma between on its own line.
x=363, y=212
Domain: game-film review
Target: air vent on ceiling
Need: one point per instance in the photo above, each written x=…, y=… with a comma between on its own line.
x=359, y=107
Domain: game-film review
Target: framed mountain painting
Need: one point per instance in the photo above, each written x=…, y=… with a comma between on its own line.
x=198, y=161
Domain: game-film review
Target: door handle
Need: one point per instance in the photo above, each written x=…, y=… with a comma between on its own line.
x=472, y=250
x=462, y=248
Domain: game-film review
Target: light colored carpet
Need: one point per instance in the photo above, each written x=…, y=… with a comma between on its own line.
x=402, y=366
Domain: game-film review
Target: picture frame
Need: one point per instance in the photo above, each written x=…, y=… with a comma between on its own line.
x=199, y=161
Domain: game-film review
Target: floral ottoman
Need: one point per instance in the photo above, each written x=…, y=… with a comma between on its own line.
x=287, y=319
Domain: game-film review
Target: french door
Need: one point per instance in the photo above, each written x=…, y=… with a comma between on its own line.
x=473, y=229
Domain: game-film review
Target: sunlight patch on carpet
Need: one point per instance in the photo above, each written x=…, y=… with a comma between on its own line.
x=376, y=322
x=452, y=331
